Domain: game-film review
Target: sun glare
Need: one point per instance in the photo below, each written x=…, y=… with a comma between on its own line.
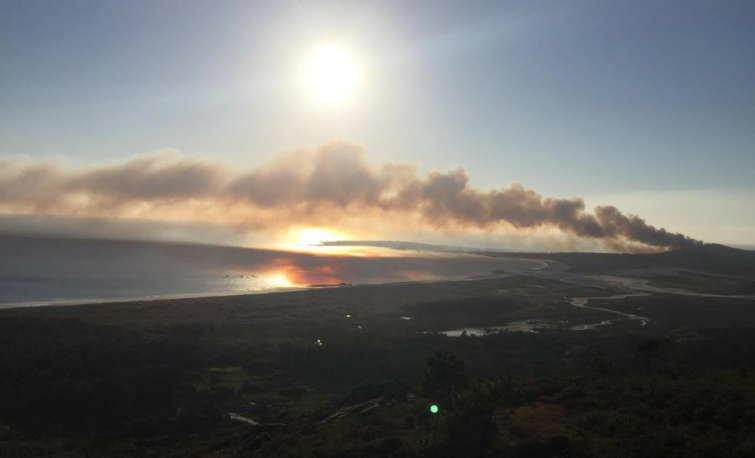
x=331, y=74
x=279, y=280
x=314, y=236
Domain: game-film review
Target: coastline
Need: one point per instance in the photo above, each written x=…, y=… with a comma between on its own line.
x=174, y=297
x=140, y=299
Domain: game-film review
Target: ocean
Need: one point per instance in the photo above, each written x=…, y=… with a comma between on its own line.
x=40, y=271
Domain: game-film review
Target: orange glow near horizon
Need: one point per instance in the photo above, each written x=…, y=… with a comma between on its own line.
x=308, y=240
x=280, y=280
x=315, y=236
x=295, y=276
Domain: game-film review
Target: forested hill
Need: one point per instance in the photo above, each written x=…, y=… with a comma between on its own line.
x=711, y=258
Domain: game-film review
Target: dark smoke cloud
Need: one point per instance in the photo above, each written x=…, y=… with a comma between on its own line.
x=310, y=187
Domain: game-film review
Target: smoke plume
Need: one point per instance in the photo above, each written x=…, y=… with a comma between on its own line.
x=316, y=187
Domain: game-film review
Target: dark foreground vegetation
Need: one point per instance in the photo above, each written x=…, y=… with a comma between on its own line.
x=71, y=388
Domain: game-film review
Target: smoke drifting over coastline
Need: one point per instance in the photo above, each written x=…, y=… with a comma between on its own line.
x=332, y=182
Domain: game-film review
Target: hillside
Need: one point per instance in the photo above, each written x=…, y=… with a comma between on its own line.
x=710, y=258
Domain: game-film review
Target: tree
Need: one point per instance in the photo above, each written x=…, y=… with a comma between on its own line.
x=648, y=349
x=444, y=372
x=472, y=420
x=465, y=430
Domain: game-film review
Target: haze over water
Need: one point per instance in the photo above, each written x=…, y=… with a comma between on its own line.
x=37, y=271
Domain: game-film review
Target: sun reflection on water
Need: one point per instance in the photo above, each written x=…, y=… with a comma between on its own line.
x=279, y=280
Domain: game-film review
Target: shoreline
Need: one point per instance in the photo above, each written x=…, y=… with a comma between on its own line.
x=125, y=300
x=146, y=299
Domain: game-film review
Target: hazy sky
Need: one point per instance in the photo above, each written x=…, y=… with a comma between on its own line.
x=647, y=105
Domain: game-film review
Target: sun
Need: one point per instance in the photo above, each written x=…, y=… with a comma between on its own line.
x=331, y=73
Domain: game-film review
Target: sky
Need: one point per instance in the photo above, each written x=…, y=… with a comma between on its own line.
x=645, y=105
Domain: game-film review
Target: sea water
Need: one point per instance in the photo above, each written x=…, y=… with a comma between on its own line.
x=35, y=271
